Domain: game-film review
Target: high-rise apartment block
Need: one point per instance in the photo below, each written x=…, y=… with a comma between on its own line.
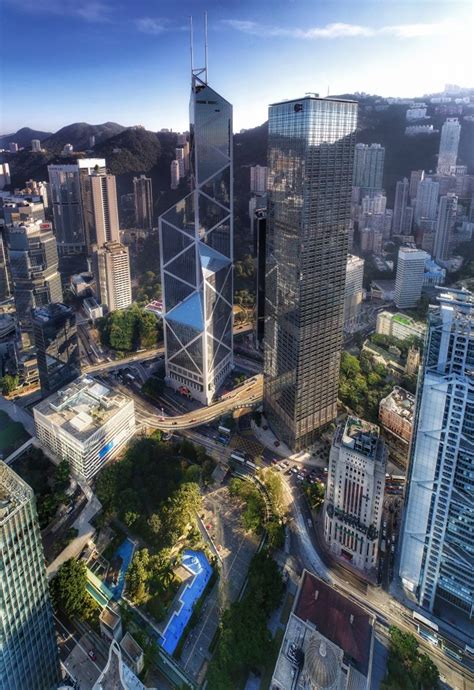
x=258, y=179
x=143, y=196
x=28, y=647
x=34, y=269
x=5, y=281
x=57, y=347
x=85, y=423
x=447, y=210
x=36, y=145
x=310, y=149
x=410, y=276
x=174, y=168
x=4, y=175
x=368, y=167
x=355, y=491
x=354, y=292
x=438, y=531
x=416, y=177
x=400, y=222
x=196, y=251
x=112, y=270
x=100, y=212
x=426, y=203
x=448, y=145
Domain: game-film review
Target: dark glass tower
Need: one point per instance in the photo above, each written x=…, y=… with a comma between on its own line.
x=57, y=347
x=310, y=160
x=196, y=252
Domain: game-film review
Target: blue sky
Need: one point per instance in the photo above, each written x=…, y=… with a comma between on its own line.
x=65, y=61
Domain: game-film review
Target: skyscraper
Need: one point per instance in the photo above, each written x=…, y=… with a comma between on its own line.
x=28, y=648
x=34, y=268
x=353, y=292
x=57, y=347
x=410, y=276
x=448, y=145
x=447, y=209
x=196, y=252
x=260, y=241
x=416, y=177
x=310, y=159
x=355, y=491
x=426, y=202
x=143, y=196
x=438, y=530
x=111, y=264
x=258, y=179
x=100, y=212
x=368, y=168
x=401, y=203
x=5, y=287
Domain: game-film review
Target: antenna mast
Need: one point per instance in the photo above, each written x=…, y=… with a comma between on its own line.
x=191, y=42
x=205, y=47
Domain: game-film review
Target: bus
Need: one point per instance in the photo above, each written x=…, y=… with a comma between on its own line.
x=427, y=629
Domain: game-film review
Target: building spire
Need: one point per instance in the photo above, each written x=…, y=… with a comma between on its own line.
x=200, y=72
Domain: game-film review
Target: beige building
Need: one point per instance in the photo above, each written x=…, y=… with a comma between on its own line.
x=112, y=270
x=399, y=326
x=396, y=418
x=101, y=222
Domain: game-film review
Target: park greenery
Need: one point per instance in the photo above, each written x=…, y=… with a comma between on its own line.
x=407, y=667
x=314, y=494
x=244, y=640
x=48, y=483
x=253, y=514
x=128, y=330
x=154, y=490
x=69, y=593
x=9, y=383
x=151, y=581
x=362, y=384
x=149, y=287
x=387, y=341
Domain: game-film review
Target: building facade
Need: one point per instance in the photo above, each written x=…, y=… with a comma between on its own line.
x=260, y=244
x=448, y=145
x=112, y=270
x=426, y=203
x=85, y=423
x=368, y=168
x=447, y=210
x=258, y=179
x=400, y=222
x=196, y=252
x=354, y=497
x=396, y=419
x=410, y=276
x=143, y=197
x=399, y=326
x=100, y=211
x=354, y=292
x=310, y=160
x=438, y=530
x=57, y=346
x=28, y=647
x=33, y=261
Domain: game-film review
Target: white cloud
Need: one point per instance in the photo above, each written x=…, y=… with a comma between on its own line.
x=89, y=10
x=148, y=25
x=341, y=30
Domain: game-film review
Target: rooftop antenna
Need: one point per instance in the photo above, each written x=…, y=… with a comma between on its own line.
x=191, y=42
x=328, y=91
x=200, y=72
x=205, y=47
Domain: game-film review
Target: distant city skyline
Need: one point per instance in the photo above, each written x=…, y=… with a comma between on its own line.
x=101, y=61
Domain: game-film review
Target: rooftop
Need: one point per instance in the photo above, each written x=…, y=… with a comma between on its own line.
x=131, y=647
x=361, y=436
x=14, y=492
x=109, y=618
x=51, y=311
x=82, y=407
x=400, y=401
x=314, y=97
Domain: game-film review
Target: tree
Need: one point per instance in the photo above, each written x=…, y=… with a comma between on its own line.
x=274, y=486
x=9, y=384
x=61, y=475
x=137, y=577
x=68, y=588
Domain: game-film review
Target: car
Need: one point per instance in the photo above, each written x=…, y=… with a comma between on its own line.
x=92, y=655
x=69, y=509
x=175, y=423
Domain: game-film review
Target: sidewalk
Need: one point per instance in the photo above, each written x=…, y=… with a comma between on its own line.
x=267, y=438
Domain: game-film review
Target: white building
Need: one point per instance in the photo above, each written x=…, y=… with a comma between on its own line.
x=448, y=145
x=112, y=271
x=418, y=113
x=426, y=203
x=36, y=145
x=175, y=174
x=436, y=562
x=354, y=293
x=354, y=497
x=410, y=276
x=85, y=423
x=399, y=326
x=258, y=179
x=4, y=175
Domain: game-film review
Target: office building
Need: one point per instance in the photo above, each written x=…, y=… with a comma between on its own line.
x=258, y=179
x=143, y=196
x=354, y=497
x=310, y=149
x=99, y=206
x=399, y=223
x=28, y=656
x=447, y=210
x=399, y=326
x=179, y=153
x=426, y=203
x=328, y=642
x=354, y=292
x=4, y=175
x=368, y=168
x=85, y=423
x=448, y=145
x=174, y=174
x=438, y=530
x=57, y=346
x=5, y=281
x=396, y=420
x=13, y=147
x=260, y=249
x=410, y=276
x=196, y=252
x=33, y=261
x=416, y=177
x=66, y=199
x=36, y=145
x=112, y=270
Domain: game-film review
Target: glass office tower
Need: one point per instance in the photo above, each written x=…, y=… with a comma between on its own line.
x=310, y=160
x=436, y=561
x=196, y=253
x=28, y=648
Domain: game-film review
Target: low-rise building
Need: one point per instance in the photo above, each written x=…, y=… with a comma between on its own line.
x=85, y=423
x=399, y=326
x=328, y=641
x=396, y=418
x=133, y=653
x=110, y=623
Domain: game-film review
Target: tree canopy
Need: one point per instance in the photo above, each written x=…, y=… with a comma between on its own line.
x=68, y=588
x=129, y=329
x=407, y=667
